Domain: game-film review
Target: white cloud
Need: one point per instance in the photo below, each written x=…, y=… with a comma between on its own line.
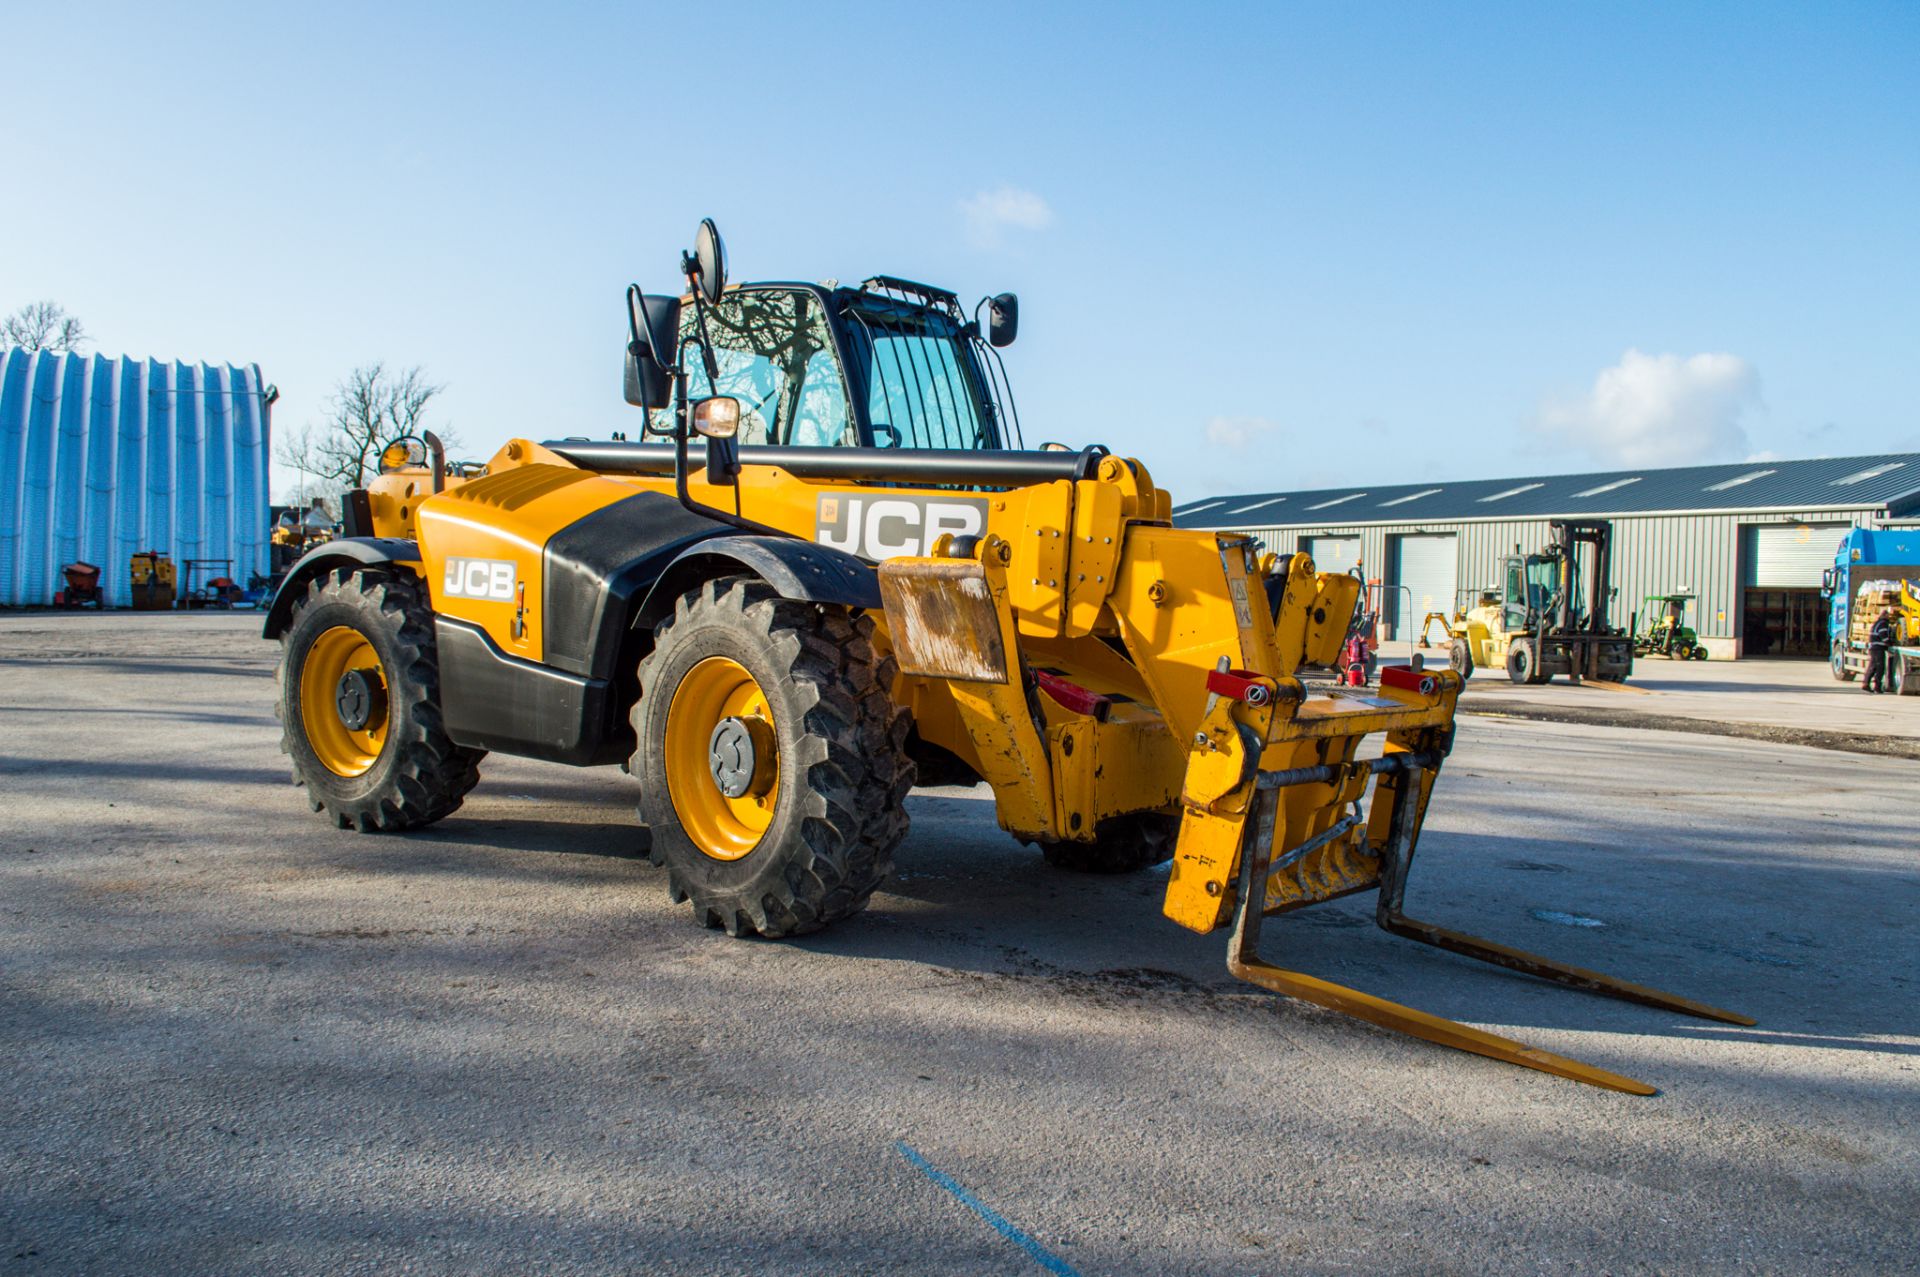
x=1660, y=410
x=1236, y=434
x=991, y=213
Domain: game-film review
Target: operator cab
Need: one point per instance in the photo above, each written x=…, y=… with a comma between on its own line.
x=1532, y=589
x=890, y=364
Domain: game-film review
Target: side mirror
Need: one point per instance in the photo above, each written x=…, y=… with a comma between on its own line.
x=710, y=261
x=653, y=346
x=1003, y=319
x=648, y=385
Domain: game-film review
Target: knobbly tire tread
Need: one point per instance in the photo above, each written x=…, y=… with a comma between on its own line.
x=421, y=775
x=1121, y=844
x=832, y=840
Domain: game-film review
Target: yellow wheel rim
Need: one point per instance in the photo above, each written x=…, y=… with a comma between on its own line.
x=714, y=692
x=343, y=684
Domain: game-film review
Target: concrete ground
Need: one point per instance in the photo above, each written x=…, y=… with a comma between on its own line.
x=240, y=1041
x=1789, y=700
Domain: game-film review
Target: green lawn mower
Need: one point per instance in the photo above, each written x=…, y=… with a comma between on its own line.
x=1667, y=633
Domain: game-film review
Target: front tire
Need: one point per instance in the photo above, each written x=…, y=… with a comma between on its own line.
x=1460, y=657
x=1121, y=845
x=772, y=759
x=1837, y=663
x=359, y=705
x=1520, y=661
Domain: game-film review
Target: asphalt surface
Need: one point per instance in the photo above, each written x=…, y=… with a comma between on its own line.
x=1788, y=702
x=240, y=1041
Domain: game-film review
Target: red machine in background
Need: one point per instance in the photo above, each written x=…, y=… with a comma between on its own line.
x=1359, y=653
x=83, y=587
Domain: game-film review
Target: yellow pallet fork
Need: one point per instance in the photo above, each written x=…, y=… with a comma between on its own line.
x=1360, y=851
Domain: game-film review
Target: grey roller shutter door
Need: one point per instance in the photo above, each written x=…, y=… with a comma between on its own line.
x=1425, y=564
x=1788, y=555
x=1333, y=554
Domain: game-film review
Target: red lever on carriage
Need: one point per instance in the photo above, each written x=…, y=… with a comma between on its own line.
x=1239, y=685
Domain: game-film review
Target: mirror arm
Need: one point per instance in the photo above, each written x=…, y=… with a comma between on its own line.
x=680, y=432
x=712, y=365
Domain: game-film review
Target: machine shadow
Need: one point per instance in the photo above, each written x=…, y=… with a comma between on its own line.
x=967, y=897
x=1002, y=911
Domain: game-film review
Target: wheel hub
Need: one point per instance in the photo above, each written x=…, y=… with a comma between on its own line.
x=734, y=752
x=722, y=758
x=360, y=701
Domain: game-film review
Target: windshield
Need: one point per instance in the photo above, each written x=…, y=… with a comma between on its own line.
x=775, y=355
x=923, y=383
x=1543, y=582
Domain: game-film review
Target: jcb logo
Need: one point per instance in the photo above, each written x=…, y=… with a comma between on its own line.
x=890, y=527
x=479, y=579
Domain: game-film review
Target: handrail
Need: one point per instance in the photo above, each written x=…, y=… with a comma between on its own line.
x=984, y=468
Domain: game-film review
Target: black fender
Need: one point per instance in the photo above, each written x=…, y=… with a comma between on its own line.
x=347, y=552
x=799, y=570
x=613, y=574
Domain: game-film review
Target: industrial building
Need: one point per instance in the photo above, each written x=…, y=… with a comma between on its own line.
x=1749, y=541
x=101, y=457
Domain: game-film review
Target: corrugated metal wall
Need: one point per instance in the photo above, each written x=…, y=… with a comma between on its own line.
x=1652, y=554
x=100, y=457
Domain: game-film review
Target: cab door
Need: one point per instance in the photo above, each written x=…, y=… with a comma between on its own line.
x=1513, y=607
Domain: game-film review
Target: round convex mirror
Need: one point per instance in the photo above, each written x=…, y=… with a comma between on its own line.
x=711, y=254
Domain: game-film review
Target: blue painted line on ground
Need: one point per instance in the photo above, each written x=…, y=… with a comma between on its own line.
x=1000, y=1224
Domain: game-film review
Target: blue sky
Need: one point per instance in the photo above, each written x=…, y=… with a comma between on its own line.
x=1257, y=246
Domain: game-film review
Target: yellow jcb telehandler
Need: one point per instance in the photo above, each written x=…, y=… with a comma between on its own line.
x=861, y=579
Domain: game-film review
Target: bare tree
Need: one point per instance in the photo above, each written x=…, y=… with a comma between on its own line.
x=370, y=408
x=42, y=326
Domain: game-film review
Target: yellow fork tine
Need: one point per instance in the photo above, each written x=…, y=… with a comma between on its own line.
x=1432, y=1028
x=1244, y=961
x=1546, y=968
x=1396, y=860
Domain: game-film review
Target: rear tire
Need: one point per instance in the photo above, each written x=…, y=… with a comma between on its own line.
x=397, y=769
x=1121, y=845
x=826, y=784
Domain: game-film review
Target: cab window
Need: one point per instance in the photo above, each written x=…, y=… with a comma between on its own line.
x=1543, y=583
x=923, y=385
x=919, y=391
x=774, y=354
